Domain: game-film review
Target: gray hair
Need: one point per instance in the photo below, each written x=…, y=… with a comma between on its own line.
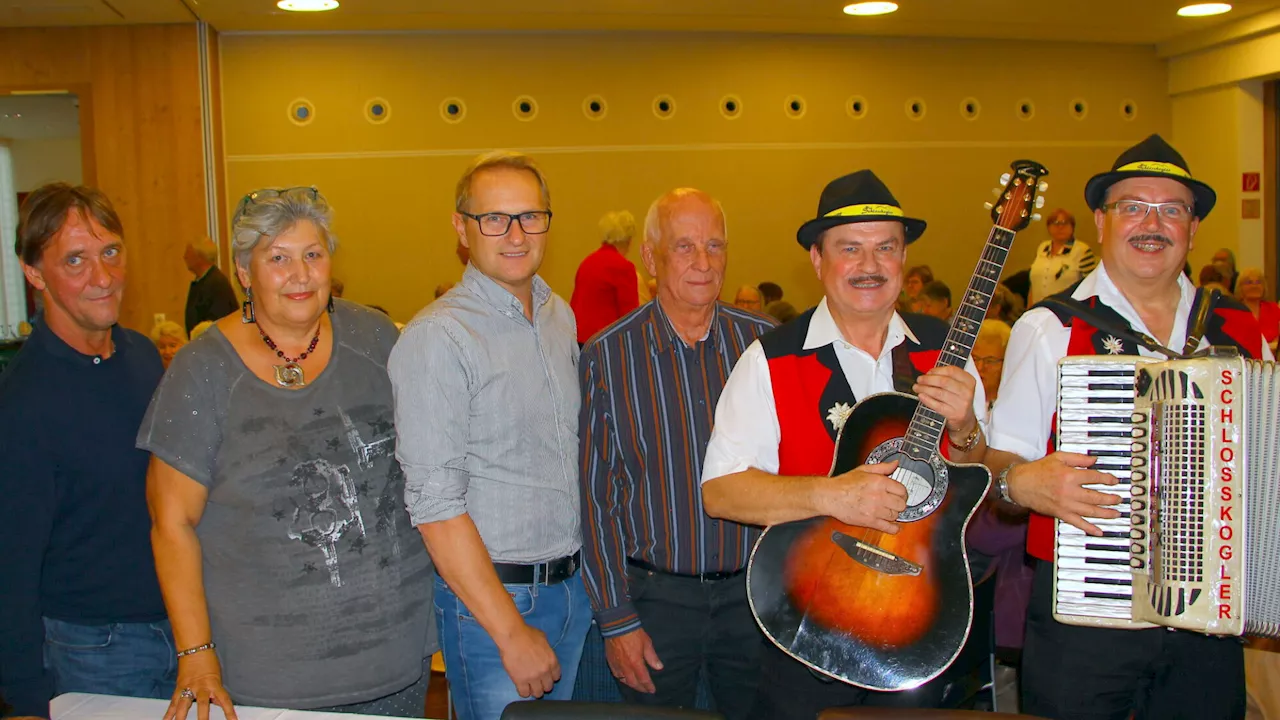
x=653, y=219
x=269, y=212
x=617, y=227
x=205, y=248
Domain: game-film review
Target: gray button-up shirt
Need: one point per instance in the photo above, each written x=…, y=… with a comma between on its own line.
x=486, y=407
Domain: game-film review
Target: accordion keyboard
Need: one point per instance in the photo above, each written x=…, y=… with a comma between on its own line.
x=1093, y=581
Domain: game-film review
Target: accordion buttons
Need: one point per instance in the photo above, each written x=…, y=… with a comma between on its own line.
x=1138, y=476
x=1137, y=462
x=1138, y=418
x=1138, y=519
x=1139, y=432
x=1135, y=563
x=1137, y=549
x=1138, y=447
x=1136, y=534
x=1137, y=489
x=1137, y=505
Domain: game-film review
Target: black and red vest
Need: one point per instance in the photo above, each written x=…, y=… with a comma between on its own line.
x=809, y=384
x=1230, y=324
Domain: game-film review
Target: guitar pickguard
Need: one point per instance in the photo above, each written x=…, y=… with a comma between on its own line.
x=926, y=482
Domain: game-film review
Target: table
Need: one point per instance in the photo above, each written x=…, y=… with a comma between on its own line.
x=82, y=706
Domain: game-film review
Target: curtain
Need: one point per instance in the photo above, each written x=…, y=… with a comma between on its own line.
x=13, y=302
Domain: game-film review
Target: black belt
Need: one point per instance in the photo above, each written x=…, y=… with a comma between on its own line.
x=704, y=577
x=547, y=573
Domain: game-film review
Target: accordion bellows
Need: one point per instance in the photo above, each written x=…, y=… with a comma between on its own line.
x=1195, y=444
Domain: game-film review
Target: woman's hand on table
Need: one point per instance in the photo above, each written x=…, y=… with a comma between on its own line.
x=199, y=684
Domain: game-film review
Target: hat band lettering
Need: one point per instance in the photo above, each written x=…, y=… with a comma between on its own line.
x=870, y=209
x=1163, y=168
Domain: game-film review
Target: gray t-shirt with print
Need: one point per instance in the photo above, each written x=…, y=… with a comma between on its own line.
x=318, y=585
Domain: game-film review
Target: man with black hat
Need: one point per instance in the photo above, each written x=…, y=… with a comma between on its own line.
x=790, y=393
x=1147, y=211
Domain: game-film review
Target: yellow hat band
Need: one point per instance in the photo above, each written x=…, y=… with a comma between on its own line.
x=1163, y=168
x=870, y=209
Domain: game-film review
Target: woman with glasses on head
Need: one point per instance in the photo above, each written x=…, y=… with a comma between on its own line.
x=292, y=575
x=1061, y=261
x=1251, y=289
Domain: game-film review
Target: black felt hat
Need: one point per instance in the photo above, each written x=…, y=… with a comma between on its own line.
x=859, y=197
x=1152, y=157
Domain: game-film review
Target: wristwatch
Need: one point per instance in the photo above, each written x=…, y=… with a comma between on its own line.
x=1002, y=484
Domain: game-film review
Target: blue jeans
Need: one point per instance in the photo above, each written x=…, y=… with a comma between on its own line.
x=480, y=685
x=131, y=659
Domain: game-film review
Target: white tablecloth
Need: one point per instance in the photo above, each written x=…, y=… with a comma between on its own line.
x=80, y=706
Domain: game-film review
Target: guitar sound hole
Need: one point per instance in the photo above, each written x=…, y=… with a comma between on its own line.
x=916, y=477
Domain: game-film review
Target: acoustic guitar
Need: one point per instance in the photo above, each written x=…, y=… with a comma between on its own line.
x=882, y=611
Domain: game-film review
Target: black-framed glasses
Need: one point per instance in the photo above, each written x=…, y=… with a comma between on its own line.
x=1138, y=210
x=494, y=224
x=268, y=193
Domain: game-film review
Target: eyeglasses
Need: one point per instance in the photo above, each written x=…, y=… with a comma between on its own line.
x=1137, y=210
x=494, y=224
x=1060, y=222
x=992, y=360
x=268, y=193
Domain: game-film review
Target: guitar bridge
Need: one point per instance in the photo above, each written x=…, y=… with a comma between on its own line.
x=874, y=557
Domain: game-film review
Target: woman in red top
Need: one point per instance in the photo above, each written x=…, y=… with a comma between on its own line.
x=605, y=287
x=1251, y=286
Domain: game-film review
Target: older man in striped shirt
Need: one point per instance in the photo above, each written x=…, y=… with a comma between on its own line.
x=666, y=581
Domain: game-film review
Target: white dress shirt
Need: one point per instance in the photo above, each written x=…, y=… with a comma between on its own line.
x=1028, y=394
x=747, y=432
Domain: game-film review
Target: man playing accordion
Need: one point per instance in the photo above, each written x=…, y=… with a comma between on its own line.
x=1147, y=210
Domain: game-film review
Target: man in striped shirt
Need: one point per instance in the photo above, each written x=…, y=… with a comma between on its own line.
x=666, y=581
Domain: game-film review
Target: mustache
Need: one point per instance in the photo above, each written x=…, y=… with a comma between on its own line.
x=1152, y=237
x=867, y=278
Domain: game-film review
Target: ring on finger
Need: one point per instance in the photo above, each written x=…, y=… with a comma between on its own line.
x=186, y=693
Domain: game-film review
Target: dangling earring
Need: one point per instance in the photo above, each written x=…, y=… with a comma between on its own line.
x=246, y=309
x=329, y=307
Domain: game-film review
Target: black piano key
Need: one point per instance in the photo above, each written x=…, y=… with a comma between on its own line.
x=1110, y=453
x=1110, y=434
x=1102, y=419
x=1123, y=387
x=1108, y=561
x=1107, y=596
x=1110, y=373
x=1109, y=581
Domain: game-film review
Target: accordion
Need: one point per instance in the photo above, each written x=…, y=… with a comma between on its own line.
x=1194, y=444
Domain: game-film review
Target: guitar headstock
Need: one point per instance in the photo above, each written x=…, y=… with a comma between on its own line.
x=1020, y=195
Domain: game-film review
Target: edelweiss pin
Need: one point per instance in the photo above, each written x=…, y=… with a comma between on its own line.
x=1112, y=345
x=838, y=414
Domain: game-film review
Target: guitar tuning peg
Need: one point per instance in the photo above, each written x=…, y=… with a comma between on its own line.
x=1039, y=202
x=1035, y=217
x=1044, y=185
x=1004, y=179
x=987, y=205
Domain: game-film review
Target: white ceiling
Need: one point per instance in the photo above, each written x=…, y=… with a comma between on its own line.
x=33, y=117
x=1146, y=22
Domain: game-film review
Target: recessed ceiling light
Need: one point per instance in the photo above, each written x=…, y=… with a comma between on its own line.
x=1203, y=9
x=307, y=5
x=870, y=8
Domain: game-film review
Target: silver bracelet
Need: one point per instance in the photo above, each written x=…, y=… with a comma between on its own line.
x=1002, y=484
x=198, y=648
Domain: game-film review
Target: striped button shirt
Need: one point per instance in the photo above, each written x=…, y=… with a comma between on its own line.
x=647, y=409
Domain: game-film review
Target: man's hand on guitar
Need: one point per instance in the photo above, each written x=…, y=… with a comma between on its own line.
x=630, y=656
x=948, y=391
x=866, y=497
x=1055, y=485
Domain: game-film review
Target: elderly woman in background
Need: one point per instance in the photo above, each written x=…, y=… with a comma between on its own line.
x=605, y=287
x=1062, y=260
x=913, y=281
x=292, y=575
x=169, y=337
x=1251, y=289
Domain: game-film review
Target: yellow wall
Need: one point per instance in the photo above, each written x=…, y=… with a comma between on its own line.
x=392, y=183
x=1219, y=133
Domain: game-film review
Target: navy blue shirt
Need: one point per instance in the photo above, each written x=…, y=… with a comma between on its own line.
x=75, y=535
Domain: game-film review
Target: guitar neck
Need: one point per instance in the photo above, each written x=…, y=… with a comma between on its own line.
x=926, y=428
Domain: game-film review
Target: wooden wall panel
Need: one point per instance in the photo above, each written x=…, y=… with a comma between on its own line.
x=140, y=103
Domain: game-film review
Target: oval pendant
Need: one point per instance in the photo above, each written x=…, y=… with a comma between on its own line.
x=289, y=375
